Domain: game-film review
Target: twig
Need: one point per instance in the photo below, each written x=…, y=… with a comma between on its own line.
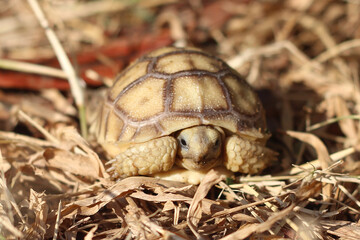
x=10, y=136
x=31, y=68
x=57, y=223
x=269, y=50
x=336, y=50
x=48, y=136
x=10, y=201
x=344, y=190
x=65, y=64
x=316, y=163
x=330, y=121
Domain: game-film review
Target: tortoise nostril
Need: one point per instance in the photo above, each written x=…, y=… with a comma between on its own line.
x=203, y=158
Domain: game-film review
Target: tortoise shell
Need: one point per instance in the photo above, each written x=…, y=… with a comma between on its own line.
x=171, y=89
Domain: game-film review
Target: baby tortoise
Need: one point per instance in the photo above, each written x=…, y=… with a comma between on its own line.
x=183, y=107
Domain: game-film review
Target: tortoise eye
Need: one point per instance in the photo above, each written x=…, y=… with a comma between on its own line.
x=217, y=143
x=183, y=142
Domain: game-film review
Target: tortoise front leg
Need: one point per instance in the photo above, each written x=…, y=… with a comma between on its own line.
x=247, y=156
x=157, y=155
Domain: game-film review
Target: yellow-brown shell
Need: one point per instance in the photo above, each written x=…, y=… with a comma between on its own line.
x=171, y=89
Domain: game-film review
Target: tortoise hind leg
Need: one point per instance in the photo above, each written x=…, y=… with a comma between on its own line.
x=157, y=155
x=247, y=156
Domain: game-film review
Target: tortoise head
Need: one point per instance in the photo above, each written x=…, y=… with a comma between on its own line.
x=199, y=147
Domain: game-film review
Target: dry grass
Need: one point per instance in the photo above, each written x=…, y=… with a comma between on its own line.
x=301, y=56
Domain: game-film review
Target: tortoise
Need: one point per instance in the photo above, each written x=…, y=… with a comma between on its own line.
x=182, y=107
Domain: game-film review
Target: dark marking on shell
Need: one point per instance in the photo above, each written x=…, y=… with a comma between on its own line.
x=244, y=120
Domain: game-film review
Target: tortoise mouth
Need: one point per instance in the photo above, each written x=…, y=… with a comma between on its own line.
x=197, y=164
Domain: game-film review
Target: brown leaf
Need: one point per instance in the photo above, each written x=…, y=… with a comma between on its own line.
x=160, y=197
x=244, y=217
x=7, y=220
x=125, y=187
x=70, y=138
x=70, y=162
x=262, y=227
x=317, y=144
x=347, y=125
x=344, y=229
x=194, y=213
x=40, y=208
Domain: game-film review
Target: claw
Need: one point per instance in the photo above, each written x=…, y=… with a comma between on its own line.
x=115, y=175
x=111, y=161
x=110, y=169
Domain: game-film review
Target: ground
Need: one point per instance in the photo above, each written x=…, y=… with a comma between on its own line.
x=301, y=57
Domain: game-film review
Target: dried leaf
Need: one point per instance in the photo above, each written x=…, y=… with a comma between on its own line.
x=261, y=227
x=40, y=208
x=347, y=125
x=317, y=144
x=194, y=213
x=90, y=234
x=343, y=229
x=70, y=138
x=7, y=227
x=70, y=162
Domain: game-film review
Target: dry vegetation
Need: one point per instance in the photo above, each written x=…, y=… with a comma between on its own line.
x=301, y=56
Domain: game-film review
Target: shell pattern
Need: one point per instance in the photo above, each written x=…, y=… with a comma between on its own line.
x=174, y=88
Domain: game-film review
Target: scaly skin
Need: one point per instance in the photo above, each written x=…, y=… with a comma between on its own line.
x=157, y=155
x=195, y=150
x=246, y=156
